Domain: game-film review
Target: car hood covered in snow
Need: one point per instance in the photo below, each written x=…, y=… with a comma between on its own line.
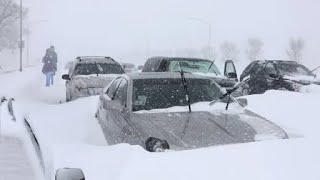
x=184, y=130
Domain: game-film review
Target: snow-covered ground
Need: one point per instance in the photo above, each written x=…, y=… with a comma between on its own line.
x=70, y=136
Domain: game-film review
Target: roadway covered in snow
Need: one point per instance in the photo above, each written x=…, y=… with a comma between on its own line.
x=70, y=136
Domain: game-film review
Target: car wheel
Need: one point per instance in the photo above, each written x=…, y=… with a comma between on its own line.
x=245, y=91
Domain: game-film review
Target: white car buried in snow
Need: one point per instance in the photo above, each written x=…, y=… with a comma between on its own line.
x=89, y=75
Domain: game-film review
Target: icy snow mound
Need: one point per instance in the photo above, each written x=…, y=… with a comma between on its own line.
x=310, y=89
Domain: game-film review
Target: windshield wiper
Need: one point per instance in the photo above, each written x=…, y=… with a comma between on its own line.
x=210, y=68
x=185, y=86
x=229, y=92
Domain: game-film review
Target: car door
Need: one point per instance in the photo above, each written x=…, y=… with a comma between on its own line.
x=121, y=111
x=118, y=107
x=257, y=82
x=230, y=70
x=105, y=113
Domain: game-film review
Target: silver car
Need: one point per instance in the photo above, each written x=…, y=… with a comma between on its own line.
x=89, y=75
x=151, y=110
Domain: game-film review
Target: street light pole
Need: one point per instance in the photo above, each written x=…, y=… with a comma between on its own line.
x=21, y=43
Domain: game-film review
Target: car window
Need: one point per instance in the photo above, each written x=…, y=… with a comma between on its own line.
x=113, y=87
x=247, y=71
x=229, y=69
x=293, y=69
x=121, y=93
x=256, y=69
x=97, y=68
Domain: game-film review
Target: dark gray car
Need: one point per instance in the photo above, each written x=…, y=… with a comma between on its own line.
x=147, y=109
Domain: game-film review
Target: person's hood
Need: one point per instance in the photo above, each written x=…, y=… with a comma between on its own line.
x=93, y=81
x=305, y=80
x=184, y=130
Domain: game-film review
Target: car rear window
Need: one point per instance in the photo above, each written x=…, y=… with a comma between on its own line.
x=97, y=68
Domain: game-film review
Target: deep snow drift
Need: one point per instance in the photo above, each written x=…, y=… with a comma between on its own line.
x=70, y=136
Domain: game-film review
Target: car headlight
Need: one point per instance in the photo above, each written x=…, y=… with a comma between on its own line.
x=156, y=145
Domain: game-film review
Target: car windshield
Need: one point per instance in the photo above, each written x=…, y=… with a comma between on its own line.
x=193, y=66
x=293, y=69
x=98, y=68
x=164, y=93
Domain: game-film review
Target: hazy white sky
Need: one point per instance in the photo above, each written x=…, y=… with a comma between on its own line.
x=126, y=29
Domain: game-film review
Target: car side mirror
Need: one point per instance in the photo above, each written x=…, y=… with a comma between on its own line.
x=243, y=102
x=69, y=174
x=66, y=77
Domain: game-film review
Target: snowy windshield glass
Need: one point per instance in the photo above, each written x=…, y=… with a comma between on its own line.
x=293, y=69
x=194, y=66
x=98, y=68
x=164, y=93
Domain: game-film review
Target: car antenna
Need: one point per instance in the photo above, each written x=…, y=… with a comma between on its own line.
x=185, y=86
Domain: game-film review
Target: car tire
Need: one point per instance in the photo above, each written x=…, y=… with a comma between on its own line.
x=245, y=91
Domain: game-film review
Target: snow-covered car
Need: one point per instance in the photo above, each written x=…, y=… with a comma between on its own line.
x=275, y=74
x=151, y=110
x=198, y=66
x=89, y=75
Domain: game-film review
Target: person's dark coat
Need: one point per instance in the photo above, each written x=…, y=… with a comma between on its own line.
x=49, y=65
x=55, y=59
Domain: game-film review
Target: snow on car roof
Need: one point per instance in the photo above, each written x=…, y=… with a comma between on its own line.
x=97, y=59
x=179, y=58
x=275, y=61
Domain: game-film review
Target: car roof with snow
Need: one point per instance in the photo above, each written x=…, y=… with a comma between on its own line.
x=177, y=58
x=95, y=59
x=274, y=61
x=162, y=75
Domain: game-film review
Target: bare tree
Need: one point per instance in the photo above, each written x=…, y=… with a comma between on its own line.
x=254, y=50
x=229, y=51
x=294, y=52
x=9, y=29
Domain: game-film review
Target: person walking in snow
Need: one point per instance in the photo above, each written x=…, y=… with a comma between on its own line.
x=55, y=57
x=48, y=67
